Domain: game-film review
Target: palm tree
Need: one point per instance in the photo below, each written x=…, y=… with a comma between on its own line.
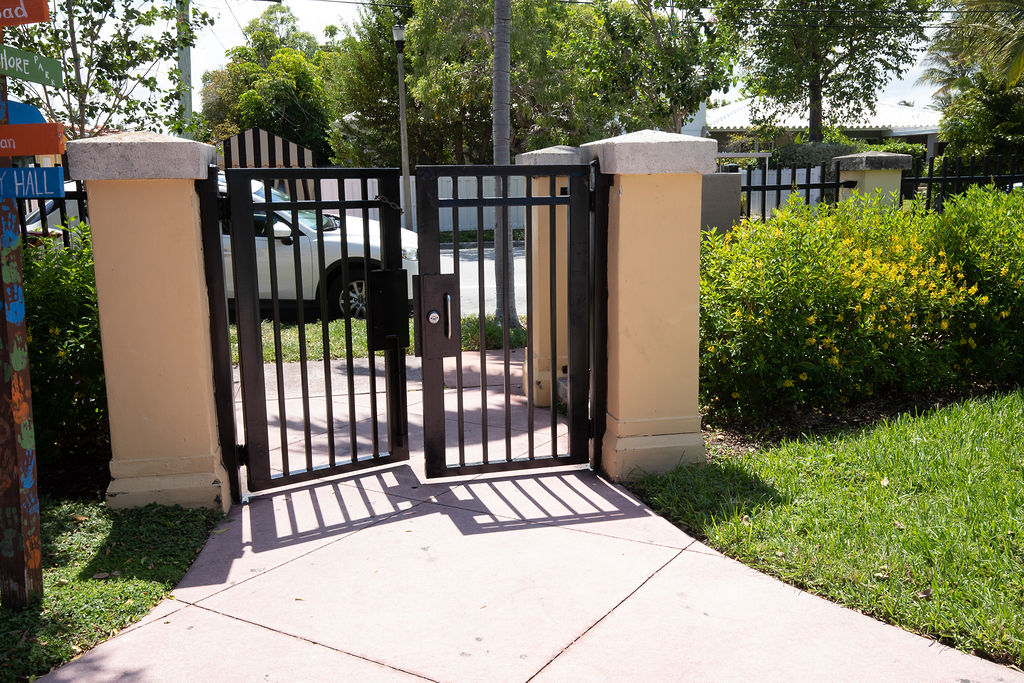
x=948, y=66
x=994, y=33
x=501, y=89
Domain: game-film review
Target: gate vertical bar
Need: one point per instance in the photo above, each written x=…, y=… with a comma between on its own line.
x=433, y=368
x=578, y=314
x=247, y=315
x=217, y=293
x=601, y=187
x=394, y=356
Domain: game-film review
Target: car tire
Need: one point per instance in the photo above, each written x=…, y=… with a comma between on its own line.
x=356, y=293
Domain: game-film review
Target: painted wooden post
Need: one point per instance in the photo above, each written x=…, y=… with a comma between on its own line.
x=21, y=573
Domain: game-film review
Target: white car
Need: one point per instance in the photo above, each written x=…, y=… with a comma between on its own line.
x=285, y=238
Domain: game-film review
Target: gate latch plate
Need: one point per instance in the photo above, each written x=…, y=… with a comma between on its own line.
x=438, y=316
x=387, y=310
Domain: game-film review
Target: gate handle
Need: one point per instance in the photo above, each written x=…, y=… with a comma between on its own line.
x=448, y=315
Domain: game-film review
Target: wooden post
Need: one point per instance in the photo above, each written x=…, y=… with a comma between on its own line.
x=21, y=573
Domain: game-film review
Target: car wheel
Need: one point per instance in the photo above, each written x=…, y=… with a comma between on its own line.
x=355, y=293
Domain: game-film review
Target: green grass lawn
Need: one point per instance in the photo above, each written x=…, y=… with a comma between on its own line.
x=918, y=522
x=102, y=570
x=290, y=346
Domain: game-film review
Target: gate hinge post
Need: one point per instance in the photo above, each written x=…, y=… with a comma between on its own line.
x=242, y=453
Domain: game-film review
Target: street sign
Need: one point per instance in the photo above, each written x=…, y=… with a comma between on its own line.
x=32, y=182
x=28, y=139
x=30, y=67
x=14, y=12
x=19, y=112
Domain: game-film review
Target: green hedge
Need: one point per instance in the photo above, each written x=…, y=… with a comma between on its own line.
x=69, y=401
x=827, y=305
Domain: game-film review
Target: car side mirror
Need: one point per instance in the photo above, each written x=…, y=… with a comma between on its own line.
x=282, y=231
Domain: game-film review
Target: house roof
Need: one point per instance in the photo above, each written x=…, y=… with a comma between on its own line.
x=895, y=119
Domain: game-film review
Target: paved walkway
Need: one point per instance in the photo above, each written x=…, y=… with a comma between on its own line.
x=553, y=576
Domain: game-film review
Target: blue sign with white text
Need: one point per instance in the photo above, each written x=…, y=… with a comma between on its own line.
x=21, y=183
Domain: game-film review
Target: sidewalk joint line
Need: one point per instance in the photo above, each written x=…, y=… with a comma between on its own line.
x=604, y=616
x=314, y=642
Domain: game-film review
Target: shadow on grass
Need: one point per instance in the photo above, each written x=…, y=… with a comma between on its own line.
x=696, y=497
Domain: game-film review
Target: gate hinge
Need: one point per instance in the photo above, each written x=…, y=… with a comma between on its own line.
x=590, y=428
x=242, y=454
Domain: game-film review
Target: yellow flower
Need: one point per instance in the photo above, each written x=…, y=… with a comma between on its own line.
x=971, y=342
x=983, y=300
x=973, y=325
x=973, y=290
x=834, y=361
x=803, y=376
x=1004, y=271
x=788, y=383
x=811, y=319
x=944, y=325
x=839, y=318
x=1004, y=314
x=735, y=394
x=885, y=346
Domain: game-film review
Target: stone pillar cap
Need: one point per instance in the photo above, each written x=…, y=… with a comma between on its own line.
x=559, y=154
x=875, y=161
x=139, y=155
x=653, y=151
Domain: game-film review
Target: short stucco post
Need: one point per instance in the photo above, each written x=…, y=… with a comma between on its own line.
x=874, y=171
x=654, y=222
x=540, y=286
x=154, y=317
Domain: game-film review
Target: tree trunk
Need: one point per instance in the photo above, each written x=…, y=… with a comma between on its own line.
x=501, y=112
x=460, y=151
x=816, y=132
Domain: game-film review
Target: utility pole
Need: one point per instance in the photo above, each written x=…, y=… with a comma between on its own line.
x=184, y=63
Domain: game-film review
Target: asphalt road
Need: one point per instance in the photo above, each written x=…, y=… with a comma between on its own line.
x=469, y=274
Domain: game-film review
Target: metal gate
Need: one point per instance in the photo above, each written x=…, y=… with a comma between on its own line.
x=321, y=266
x=319, y=269
x=480, y=409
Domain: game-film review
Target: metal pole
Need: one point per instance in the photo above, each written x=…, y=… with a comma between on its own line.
x=184, y=66
x=399, y=34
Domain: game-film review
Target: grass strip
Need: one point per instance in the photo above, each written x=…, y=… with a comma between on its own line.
x=102, y=570
x=918, y=522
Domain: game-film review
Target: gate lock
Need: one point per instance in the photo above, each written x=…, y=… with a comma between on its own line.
x=438, y=320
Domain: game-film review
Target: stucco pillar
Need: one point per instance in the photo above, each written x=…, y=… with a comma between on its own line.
x=874, y=171
x=154, y=317
x=653, y=422
x=540, y=280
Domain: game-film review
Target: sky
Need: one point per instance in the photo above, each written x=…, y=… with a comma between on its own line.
x=231, y=15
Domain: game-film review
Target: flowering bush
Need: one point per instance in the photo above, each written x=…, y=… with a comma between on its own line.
x=825, y=305
x=69, y=401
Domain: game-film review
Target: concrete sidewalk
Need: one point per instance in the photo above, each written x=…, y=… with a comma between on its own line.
x=555, y=575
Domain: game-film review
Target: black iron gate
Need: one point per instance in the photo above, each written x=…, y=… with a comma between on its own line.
x=328, y=269
x=323, y=271
x=475, y=419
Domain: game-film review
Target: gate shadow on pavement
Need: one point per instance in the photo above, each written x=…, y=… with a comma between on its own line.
x=275, y=527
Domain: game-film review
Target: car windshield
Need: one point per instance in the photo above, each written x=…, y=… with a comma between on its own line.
x=306, y=217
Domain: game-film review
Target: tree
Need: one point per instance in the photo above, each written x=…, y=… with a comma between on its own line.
x=984, y=118
x=271, y=84
x=827, y=57
x=283, y=25
x=994, y=32
x=360, y=77
x=947, y=65
x=111, y=53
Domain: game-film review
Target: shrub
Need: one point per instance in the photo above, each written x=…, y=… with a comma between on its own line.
x=810, y=153
x=493, y=331
x=831, y=304
x=65, y=360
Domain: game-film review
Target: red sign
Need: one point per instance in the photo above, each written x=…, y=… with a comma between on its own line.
x=14, y=12
x=29, y=139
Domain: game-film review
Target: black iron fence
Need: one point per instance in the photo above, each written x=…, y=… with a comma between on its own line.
x=765, y=189
x=942, y=177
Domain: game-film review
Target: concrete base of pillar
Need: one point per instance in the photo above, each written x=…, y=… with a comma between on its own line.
x=187, y=490
x=628, y=457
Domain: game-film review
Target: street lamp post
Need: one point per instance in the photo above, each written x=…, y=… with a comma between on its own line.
x=398, y=31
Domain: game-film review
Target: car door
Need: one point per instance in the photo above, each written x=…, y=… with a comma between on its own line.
x=287, y=241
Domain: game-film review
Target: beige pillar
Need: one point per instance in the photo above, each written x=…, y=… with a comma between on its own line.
x=873, y=172
x=540, y=280
x=154, y=317
x=653, y=422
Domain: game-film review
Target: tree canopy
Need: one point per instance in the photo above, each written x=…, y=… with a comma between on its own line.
x=827, y=57
x=271, y=85
x=112, y=53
